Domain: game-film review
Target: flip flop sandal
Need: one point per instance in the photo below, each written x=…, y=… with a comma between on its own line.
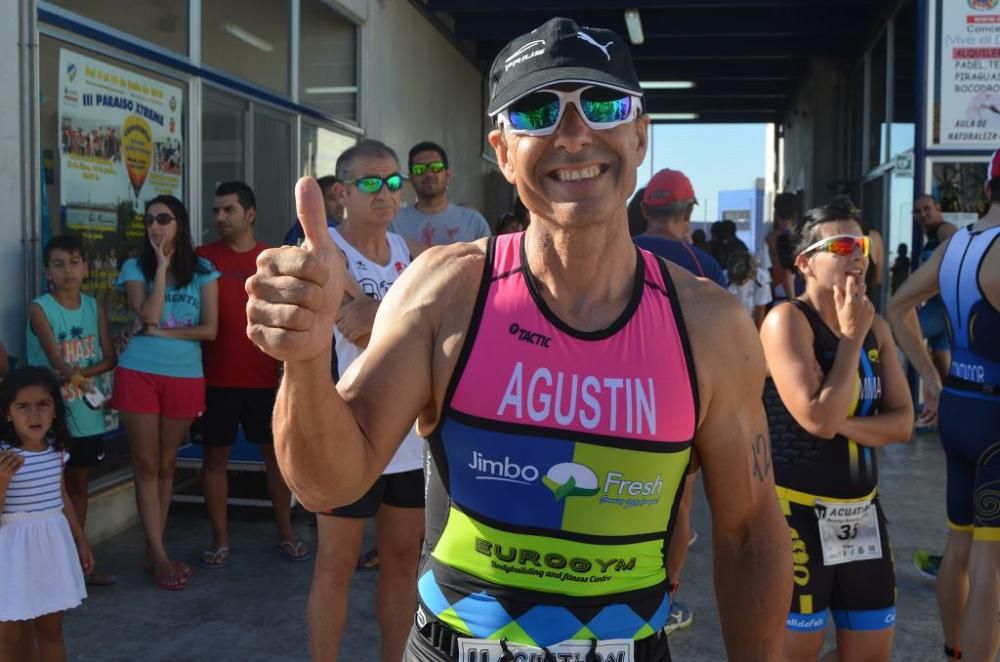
x=181, y=568
x=294, y=551
x=170, y=582
x=214, y=560
x=368, y=560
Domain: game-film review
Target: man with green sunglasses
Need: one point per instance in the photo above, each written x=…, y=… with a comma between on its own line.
x=368, y=188
x=434, y=220
x=565, y=381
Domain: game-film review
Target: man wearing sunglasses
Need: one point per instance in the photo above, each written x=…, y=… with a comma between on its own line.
x=433, y=220
x=566, y=381
x=368, y=188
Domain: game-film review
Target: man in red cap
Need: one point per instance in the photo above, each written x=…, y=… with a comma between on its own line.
x=965, y=271
x=667, y=204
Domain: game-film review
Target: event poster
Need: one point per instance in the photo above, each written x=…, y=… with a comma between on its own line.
x=968, y=100
x=120, y=145
x=959, y=186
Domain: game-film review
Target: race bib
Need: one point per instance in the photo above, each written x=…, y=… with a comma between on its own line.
x=848, y=531
x=489, y=650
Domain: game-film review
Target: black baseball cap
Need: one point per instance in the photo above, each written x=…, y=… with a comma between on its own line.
x=560, y=51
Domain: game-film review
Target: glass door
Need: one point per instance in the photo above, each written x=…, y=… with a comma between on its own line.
x=272, y=174
x=224, y=153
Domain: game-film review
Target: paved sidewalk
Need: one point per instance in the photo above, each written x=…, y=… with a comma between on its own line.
x=253, y=609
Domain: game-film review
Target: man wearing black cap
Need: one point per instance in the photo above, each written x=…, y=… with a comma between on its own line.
x=566, y=381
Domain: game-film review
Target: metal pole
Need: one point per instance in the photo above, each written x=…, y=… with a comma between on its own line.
x=920, y=120
x=31, y=184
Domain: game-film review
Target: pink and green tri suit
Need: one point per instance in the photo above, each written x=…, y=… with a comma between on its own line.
x=557, y=467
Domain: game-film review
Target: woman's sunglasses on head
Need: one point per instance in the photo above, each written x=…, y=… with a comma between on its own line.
x=418, y=169
x=373, y=184
x=843, y=245
x=539, y=113
x=161, y=219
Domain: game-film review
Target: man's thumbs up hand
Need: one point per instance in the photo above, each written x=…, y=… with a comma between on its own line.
x=296, y=292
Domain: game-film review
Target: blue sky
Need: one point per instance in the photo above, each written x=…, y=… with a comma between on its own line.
x=716, y=157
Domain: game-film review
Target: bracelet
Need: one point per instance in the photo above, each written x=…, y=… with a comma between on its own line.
x=952, y=653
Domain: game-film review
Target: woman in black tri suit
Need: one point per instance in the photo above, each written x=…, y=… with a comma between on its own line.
x=836, y=393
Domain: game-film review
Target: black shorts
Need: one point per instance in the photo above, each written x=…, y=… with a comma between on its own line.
x=226, y=409
x=402, y=490
x=85, y=451
x=861, y=595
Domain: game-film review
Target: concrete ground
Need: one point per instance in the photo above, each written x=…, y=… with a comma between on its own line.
x=253, y=608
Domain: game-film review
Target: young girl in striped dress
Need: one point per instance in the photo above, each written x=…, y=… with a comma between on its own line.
x=42, y=547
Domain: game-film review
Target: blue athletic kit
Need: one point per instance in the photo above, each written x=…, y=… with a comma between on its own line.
x=969, y=411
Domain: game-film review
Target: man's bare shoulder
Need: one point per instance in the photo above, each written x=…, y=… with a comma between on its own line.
x=450, y=270
x=440, y=285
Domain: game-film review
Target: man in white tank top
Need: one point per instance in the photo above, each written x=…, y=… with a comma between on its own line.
x=369, y=189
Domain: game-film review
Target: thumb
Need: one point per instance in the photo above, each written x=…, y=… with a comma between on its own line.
x=312, y=214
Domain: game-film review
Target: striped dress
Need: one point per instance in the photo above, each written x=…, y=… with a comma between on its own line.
x=41, y=567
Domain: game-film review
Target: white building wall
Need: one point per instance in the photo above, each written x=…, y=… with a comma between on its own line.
x=415, y=86
x=12, y=174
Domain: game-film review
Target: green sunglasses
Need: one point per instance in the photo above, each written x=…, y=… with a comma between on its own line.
x=418, y=169
x=373, y=184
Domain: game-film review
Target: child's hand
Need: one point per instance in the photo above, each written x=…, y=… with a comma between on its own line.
x=10, y=462
x=86, y=556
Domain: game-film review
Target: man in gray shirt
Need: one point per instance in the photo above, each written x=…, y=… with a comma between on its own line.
x=433, y=220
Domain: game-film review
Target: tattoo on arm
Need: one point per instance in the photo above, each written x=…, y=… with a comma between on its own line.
x=761, y=457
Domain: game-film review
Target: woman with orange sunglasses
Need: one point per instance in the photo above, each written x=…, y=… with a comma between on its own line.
x=836, y=392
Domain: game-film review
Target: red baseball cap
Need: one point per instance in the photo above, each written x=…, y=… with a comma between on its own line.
x=994, y=170
x=667, y=187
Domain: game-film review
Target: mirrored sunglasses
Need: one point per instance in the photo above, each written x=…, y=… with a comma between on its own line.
x=373, y=184
x=843, y=245
x=162, y=219
x=539, y=113
x=418, y=169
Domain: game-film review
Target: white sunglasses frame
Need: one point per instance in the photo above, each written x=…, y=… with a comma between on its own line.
x=566, y=98
x=819, y=244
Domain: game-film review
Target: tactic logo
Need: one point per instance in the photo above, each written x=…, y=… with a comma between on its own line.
x=570, y=479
